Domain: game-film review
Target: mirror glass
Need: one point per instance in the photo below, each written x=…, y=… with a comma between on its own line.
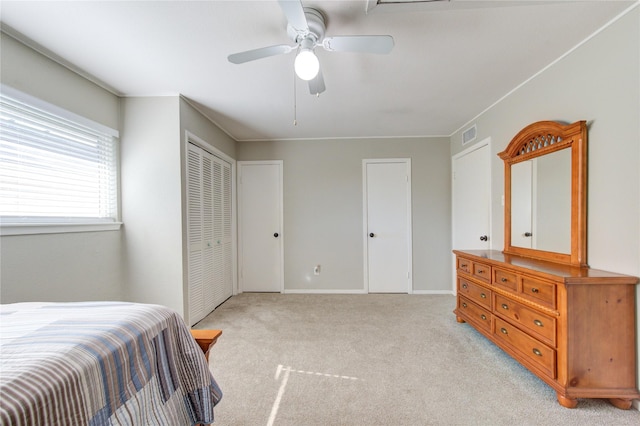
x=541, y=202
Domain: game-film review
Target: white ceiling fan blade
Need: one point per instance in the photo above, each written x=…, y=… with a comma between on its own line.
x=316, y=85
x=263, y=52
x=295, y=15
x=360, y=44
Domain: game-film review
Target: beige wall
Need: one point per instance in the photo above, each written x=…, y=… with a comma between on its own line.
x=598, y=82
x=151, y=200
x=323, y=215
x=28, y=71
x=193, y=121
x=59, y=267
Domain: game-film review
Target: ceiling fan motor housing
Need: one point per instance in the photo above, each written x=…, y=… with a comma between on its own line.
x=317, y=27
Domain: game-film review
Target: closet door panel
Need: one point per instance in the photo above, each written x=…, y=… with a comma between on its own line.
x=195, y=234
x=209, y=231
x=227, y=226
x=217, y=290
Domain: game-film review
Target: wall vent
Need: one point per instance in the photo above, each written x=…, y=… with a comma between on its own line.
x=469, y=135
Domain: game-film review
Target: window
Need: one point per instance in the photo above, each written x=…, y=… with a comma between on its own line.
x=58, y=171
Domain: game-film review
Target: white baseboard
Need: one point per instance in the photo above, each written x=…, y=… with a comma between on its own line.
x=448, y=292
x=322, y=291
x=356, y=291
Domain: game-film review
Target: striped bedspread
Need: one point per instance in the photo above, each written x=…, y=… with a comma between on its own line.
x=101, y=363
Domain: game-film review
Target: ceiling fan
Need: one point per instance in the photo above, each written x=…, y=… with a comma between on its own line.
x=306, y=27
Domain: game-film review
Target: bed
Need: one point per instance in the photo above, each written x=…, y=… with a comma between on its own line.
x=101, y=363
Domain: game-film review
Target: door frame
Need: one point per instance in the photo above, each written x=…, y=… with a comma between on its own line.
x=365, y=219
x=486, y=142
x=280, y=165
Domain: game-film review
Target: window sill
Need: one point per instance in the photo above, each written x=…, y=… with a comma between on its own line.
x=55, y=228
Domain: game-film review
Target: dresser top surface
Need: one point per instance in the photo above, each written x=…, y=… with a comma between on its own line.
x=555, y=270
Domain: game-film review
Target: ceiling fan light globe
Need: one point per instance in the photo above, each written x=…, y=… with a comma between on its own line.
x=306, y=65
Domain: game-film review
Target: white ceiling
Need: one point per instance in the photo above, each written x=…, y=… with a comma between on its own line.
x=451, y=60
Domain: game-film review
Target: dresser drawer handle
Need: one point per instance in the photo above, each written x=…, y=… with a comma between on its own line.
x=481, y=271
x=484, y=317
x=484, y=296
x=538, y=323
x=504, y=330
x=463, y=266
x=535, y=290
x=537, y=352
x=464, y=286
x=464, y=305
x=504, y=280
x=505, y=306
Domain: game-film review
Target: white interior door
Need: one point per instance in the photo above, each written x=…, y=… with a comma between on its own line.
x=387, y=218
x=472, y=198
x=260, y=239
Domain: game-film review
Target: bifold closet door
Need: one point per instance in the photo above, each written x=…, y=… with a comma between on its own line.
x=209, y=234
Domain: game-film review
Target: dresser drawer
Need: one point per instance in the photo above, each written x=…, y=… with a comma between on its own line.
x=464, y=265
x=541, y=325
x=482, y=271
x=539, y=291
x=505, y=279
x=474, y=313
x=533, y=350
x=476, y=293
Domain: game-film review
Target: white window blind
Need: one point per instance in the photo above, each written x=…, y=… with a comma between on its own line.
x=54, y=169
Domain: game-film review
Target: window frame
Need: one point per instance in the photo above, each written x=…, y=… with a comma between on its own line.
x=50, y=225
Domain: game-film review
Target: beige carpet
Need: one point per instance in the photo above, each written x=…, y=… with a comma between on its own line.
x=374, y=360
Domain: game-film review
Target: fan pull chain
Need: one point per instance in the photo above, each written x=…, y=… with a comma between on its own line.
x=295, y=101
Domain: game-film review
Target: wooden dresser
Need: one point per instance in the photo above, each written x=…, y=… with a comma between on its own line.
x=573, y=327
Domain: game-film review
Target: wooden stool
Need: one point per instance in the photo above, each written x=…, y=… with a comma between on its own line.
x=206, y=339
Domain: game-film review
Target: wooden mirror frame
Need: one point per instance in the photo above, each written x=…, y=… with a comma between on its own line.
x=536, y=140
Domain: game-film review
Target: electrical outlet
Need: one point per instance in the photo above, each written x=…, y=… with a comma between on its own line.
x=316, y=270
